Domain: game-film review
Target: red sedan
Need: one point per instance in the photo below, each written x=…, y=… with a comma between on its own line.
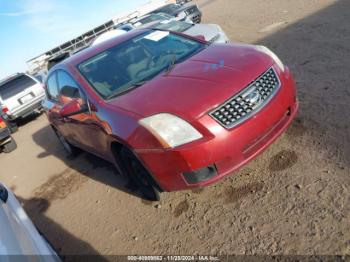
x=170, y=111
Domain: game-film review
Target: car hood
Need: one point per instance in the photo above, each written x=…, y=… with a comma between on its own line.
x=198, y=84
x=209, y=31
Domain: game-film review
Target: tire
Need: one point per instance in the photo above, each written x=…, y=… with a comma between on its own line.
x=71, y=151
x=9, y=147
x=138, y=174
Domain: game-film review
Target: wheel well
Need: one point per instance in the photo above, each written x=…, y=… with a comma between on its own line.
x=116, y=147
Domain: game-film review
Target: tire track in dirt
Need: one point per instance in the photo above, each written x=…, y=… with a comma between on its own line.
x=60, y=185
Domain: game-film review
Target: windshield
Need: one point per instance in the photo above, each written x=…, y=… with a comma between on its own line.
x=176, y=26
x=135, y=61
x=14, y=86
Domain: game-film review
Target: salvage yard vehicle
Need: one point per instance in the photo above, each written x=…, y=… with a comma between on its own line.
x=19, y=236
x=171, y=111
x=181, y=12
x=7, y=142
x=149, y=18
x=211, y=32
x=20, y=96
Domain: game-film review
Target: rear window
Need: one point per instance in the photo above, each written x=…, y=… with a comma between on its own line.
x=15, y=86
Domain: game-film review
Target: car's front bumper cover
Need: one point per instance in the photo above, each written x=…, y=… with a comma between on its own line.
x=226, y=149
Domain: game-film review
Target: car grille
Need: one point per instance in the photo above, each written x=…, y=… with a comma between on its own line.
x=249, y=101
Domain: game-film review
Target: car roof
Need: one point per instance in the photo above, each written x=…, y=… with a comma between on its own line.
x=11, y=77
x=94, y=50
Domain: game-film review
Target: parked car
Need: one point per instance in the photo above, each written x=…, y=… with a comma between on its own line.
x=171, y=111
x=181, y=12
x=7, y=142
x=57, y=59
x=210, y=32
x=40, y=76
x=145, y=19
x=181, y=2
x=19, y=237
x=107, y=35
x=20, y=96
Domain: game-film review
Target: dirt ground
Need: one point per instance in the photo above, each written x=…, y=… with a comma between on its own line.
x=293, y=199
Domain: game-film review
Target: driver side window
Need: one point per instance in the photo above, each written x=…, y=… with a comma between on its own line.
x=68, y=88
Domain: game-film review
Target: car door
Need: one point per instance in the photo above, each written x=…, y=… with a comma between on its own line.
x=85, y=128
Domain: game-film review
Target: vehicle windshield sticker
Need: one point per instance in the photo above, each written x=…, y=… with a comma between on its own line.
x=165, y=21
x=156, y=36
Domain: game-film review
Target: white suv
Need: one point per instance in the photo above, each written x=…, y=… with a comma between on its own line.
x=20, y=96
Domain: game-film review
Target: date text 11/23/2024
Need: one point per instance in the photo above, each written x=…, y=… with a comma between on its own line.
x=173, y=258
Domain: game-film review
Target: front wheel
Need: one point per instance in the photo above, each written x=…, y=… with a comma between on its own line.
x=139, y=175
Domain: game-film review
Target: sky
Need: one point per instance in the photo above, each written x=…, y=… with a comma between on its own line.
x=31, y=27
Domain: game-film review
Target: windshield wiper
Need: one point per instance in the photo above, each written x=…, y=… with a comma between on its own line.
x=127, y=89
x=171, y=64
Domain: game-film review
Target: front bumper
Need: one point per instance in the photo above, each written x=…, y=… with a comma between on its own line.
x=226, y=149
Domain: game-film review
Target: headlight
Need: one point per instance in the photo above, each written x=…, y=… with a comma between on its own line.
x=170, y=130
x=267, y=51
x=181, y=15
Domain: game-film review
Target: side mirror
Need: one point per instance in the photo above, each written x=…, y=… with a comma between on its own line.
x=200, y=38
x=73, y=108
x=70, y=91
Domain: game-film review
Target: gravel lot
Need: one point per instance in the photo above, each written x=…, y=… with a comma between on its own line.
x=293, y=199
